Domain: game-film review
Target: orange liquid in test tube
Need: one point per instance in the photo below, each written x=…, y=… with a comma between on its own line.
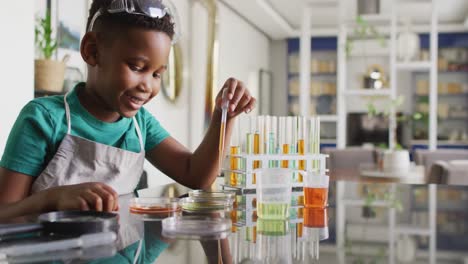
x=299, y=228
x=285, y=163
x=301, y=151
x=234, y=165
x=315, y=217
x=234, y=220
x=256, y=150
x=316, y=197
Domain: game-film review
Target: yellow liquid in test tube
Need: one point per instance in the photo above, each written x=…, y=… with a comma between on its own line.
x=234, y=165
x=299, y=229
x=256, y=150
x=254, y=234
x=234, y=220
x=301, y=151
x=221, y=145
x=285, y=163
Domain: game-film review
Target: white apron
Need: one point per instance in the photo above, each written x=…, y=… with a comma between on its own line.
x=79, y=160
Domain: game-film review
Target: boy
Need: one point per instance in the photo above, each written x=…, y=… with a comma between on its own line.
x=80, y=151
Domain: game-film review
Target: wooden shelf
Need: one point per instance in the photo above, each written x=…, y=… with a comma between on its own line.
x=328, y=118
x=412, y=230
x=369, y=92
x=414, y=65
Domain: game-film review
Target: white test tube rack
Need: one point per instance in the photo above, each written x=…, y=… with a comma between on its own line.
x=248, y=159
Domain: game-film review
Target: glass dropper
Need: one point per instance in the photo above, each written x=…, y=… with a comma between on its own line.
x=222, y=132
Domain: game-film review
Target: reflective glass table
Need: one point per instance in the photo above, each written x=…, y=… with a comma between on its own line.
x=367, y=220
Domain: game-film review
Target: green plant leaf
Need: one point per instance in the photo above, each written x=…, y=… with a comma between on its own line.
x=44, y=39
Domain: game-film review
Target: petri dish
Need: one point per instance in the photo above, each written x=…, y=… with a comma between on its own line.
x=200, y=205
x=222, y=195
x=196, y=227
x=78, y=222
x=155, y=207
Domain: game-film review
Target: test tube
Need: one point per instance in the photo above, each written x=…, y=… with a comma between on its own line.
x=301, y=135
x=272, y=140
x=299, y=229
x=312, y=237
x=314, y=138
x=222, y=132
x=274, y=242
x=250, y=141
x=235, y=150
x=257, y=145
x=293, y=143
x=266, y=134
x=234, y=220
x=283, y=142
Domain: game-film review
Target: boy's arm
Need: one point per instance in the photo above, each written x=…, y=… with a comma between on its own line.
x=198, y=170
x=16, y=201
x=14, y=187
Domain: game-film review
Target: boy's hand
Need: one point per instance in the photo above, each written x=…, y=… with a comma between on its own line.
x=94, y=196
x=239, y=97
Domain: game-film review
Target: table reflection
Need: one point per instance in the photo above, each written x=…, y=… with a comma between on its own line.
x=365, y=222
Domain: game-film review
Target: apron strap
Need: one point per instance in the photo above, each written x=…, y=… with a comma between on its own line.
x=67, y=112
x=140, y=138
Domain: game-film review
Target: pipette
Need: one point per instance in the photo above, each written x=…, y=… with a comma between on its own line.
x=222, y=132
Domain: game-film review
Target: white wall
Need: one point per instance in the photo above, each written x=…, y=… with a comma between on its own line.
x=243, y=51
x=279, y=67
x=174, y=116
x=17, y=62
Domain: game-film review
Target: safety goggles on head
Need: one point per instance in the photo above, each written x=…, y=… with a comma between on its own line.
x=149, y=8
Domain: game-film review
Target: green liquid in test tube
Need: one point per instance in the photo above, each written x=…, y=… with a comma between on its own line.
x=292, y=129
x=272, y=227
x=272, y=141
x=314, y=137
x=273, y=211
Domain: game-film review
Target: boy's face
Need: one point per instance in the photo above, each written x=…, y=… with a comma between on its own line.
x=129, y=70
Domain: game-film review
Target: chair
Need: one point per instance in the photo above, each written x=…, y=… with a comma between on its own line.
x=428, y=157
x=453, y=172
x=349, y=158
x=440, y=165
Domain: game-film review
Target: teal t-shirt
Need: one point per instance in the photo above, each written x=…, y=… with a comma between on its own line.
x=42, y=124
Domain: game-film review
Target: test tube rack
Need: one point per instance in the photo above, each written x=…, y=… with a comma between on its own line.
x=313, y=163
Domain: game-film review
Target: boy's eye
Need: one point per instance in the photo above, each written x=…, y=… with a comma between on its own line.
x=134, y=67
x=157, y=75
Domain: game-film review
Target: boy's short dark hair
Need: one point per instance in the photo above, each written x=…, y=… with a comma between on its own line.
x=107, y=21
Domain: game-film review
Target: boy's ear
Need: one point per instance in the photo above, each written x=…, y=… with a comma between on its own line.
x=89, y=49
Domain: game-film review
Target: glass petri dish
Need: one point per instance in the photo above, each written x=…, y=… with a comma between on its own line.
x=155, y=207
x=207, y=205
x=222, y=195
x=196, y=227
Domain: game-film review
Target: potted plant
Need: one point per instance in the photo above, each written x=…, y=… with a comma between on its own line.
x=395, y=158
x=48, y=73
x=364, y=30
